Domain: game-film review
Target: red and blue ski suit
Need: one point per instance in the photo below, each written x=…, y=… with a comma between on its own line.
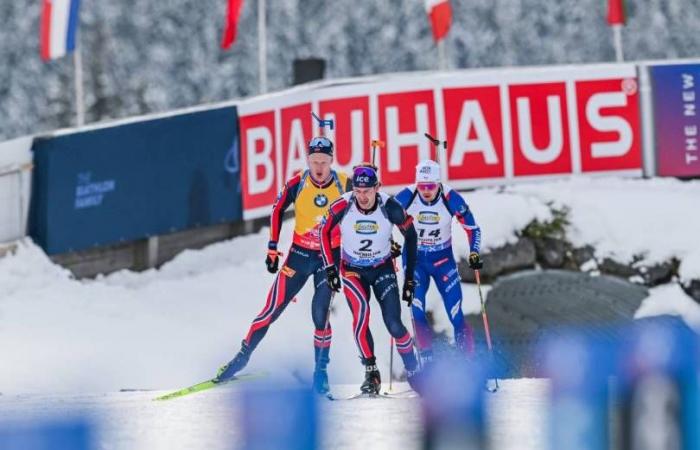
x=433, y=222
x=311, y=202
x=367, y=265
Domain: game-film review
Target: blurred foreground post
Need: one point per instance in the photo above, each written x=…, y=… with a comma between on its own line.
x=69, y=434
x=578, y=367
x=278, y=418
x=658, y=371
x=453, y=406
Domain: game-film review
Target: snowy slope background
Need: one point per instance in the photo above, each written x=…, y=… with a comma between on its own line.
x=174, y=326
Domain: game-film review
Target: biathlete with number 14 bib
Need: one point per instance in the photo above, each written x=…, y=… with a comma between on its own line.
x=433, y=204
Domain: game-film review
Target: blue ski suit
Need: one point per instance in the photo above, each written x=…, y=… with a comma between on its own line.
x=433, y=223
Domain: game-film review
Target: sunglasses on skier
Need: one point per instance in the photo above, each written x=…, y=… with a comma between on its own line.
x=320, y=142
x=321, y=145
x=426, y=186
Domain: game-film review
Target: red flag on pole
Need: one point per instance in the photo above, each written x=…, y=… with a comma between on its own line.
x=440, y=14
x=616, y=12
x=231, y=28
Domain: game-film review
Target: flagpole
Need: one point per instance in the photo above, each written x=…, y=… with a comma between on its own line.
x=78, y=78
x=442, y=57
x=617, y=36
x=262, y=47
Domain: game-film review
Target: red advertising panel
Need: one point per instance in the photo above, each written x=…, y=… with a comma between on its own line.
x=540, y=124
x=258, y=160
x=404, y=118
x=511, y=125
x=351, y=134
x=474, y=132
x=296, y=134
x=608, y=120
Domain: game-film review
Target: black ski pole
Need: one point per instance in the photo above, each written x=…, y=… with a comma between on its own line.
x=436, y=143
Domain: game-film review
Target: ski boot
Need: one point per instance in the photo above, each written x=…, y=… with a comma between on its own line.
x=426, y=357
x=373, y=380
x=414, y=380
x=230, y=369
x=320, y=383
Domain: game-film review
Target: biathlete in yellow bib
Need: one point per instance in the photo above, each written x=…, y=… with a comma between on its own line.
x=311, y=192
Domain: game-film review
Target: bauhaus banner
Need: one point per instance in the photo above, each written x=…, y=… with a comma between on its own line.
x=501, y=127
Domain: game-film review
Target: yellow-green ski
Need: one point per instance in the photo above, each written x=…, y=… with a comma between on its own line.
x=203, y=386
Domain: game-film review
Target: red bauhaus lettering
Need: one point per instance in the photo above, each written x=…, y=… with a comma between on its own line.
x=403, y=120
x=296, y=134
x=608, y=118
x=474, y=132
x=540, y=125
x=351, y=132
x=258, y=161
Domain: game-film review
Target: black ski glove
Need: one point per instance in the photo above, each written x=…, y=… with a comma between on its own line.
x=409, y=287
x=333, y=278
x=395, y=249
x=475, y=262
x=272, y=261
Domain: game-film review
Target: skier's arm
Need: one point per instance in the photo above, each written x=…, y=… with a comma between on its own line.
x=398, y=216
x=404, y=197
x=335, y=214
x=286, y=197
x=459, y=208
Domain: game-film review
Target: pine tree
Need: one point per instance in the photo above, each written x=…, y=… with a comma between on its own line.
x=145, y=56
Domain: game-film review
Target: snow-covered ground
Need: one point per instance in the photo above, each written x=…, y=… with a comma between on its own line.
x=516, y=418
x=66, y=342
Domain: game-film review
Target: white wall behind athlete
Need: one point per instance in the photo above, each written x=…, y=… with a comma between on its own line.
x=15, y=187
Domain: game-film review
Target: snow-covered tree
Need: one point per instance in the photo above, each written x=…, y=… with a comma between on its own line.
x=144, y=56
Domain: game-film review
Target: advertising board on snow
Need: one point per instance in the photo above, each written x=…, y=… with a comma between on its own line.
x=676, y=124
x=121, y=182
x=501, y=127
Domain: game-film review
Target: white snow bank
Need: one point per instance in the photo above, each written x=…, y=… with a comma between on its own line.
x=174, y=326
x=158, y=329
x=671, y=300
x=690, y=266
x=500, y=214
x=657, y=218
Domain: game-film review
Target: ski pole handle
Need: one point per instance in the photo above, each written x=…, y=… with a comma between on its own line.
x=376, y=143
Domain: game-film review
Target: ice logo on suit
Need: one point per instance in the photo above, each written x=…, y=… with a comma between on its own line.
x=366, y=227
x=320, y=200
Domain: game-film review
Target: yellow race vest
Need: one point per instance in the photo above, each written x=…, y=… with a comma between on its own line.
x=311, y=206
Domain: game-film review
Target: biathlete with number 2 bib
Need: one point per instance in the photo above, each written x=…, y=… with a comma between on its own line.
x=365, y=218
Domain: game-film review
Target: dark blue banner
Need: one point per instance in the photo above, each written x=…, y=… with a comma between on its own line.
x=676, y=96
x=136, y=180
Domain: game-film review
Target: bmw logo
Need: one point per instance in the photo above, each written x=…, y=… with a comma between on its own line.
x=321, y=200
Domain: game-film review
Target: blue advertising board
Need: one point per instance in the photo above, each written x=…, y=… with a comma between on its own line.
x=121, y=183
x=677, y=119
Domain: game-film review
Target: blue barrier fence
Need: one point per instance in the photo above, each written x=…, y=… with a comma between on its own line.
x=127, y=182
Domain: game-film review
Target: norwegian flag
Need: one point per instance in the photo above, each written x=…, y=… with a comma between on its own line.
x=440, y=14
x=231, y=28
x=59, y=26
x=616, y=12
